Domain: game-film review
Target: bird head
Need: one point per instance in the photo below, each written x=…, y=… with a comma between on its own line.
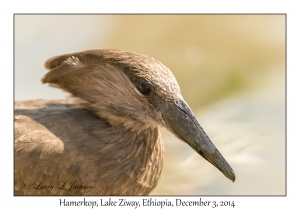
x=133, y=91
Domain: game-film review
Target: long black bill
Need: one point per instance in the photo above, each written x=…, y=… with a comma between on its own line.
x=181, y=120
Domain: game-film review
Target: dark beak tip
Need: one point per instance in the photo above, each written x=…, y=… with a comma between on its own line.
x=233, y=178
x=230, y=176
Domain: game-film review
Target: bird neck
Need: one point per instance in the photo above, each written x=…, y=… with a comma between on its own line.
x=136, y=162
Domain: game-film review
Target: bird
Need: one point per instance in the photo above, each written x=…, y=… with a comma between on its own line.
x=105, y=139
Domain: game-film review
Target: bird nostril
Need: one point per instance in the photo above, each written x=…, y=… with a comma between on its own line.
x=144, y=88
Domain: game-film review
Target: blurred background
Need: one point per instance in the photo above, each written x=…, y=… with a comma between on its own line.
x=231, y=70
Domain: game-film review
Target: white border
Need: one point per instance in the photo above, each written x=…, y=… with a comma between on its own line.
x=54, y=6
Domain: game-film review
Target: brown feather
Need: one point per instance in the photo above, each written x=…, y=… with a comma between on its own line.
x=90, y=151
x=117, y=152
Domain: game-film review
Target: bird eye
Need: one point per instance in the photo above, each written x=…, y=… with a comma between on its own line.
x=144, y=88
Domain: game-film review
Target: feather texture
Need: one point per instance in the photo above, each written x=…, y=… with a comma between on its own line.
x=69, y=148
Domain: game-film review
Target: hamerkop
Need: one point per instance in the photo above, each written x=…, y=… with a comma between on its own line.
x=109, y=143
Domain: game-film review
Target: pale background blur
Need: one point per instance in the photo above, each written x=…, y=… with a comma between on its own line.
x=231, y=70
